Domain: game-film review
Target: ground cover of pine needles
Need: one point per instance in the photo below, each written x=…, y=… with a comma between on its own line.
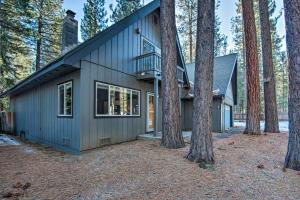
x=247, y=167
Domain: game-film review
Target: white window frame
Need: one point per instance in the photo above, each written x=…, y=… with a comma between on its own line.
x=65, y=103
x=113, y=87
x=156, y=48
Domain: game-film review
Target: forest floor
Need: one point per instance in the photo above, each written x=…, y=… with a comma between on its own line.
x=246, y=167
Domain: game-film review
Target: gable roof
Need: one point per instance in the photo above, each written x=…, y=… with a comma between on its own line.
x=67, y=62
x=223, y=72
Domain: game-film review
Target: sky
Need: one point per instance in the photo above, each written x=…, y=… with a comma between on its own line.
x=226, y=12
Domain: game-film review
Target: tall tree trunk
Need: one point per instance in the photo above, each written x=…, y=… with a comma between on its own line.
x=252, y=71
x=171, y=133
x=292, y=21
x=201, y=148
x=38, y=44
x=190, y=32
x=271, y=115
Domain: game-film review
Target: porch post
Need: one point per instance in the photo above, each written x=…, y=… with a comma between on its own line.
x=155, y=106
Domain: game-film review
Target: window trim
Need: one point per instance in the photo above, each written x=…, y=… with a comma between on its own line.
x=156, y=48
x=58, y=100
x=115, y=116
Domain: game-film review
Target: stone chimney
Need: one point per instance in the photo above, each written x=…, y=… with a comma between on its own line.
x=69, y=32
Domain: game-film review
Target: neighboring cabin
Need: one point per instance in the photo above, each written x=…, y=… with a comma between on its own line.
x=224, y=93
x=102, y=91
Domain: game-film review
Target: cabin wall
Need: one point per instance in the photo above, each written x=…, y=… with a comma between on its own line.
x=216, y=115
x=36, y=114
x=229, y=96
x=117, y=129
x=114, y=63
x=120, y=51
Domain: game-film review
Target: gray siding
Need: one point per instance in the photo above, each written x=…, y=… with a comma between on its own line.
x=229, y=96
x=118, y=129
x=36, y=114
x=114, y=63
x=216, y=115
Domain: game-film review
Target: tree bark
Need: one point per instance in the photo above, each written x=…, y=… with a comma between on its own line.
x=38, y=45
x=171, y=133
x=190, y=32
x=271, y=115
x=292, y=21
x=201, y=149
x=252, y=71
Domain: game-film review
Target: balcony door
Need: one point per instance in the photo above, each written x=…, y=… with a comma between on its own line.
x=150, y=112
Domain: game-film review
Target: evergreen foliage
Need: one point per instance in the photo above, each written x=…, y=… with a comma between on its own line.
x=94, y=19
x=45, y=19
x=279, y=57
x=14, y=51
x=123, y=9
x=220, y=40
x=187, y=23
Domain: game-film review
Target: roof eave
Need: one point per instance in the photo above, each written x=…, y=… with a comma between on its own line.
x=35, y=75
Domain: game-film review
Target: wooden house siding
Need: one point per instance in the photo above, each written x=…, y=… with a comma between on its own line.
x=114, y=63
x=216, y=115
x=36, y=113
x=117, y=129
x=229, y=96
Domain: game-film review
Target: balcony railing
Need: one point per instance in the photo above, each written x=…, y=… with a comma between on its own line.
x=150, y=64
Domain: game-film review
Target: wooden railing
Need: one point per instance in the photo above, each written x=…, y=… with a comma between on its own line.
x=148, y=62
x=151, y=62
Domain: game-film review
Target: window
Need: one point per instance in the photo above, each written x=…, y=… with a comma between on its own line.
x=65, y=94
x=148, y=47
x=116, y=101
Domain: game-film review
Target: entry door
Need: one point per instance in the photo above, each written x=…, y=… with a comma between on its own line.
x=150, y=112
x=227, y=117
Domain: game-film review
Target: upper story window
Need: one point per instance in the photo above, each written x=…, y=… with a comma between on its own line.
x=148, y=47
x=65, y=98
x=113, y=100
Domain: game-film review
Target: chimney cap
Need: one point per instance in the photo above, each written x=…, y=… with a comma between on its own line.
x=71, y=13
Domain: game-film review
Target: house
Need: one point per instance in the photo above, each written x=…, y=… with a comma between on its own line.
x=101, y=92
x=224, y=93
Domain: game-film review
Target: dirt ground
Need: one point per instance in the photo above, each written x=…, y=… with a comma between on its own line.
x=247, y=167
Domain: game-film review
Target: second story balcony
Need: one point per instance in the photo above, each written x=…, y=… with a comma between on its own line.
x=148, y=66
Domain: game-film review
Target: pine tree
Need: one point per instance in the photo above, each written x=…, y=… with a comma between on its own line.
x=14, y=52
x=292, y=21
x=187, y=25
x=252, y=69
x=201, y=149
x=279, y=57
x=270, y=103
x=239, y=47
x=220, y=40
x=171, y=126
x=123, y=9
x=94, y=19
x=45, y=19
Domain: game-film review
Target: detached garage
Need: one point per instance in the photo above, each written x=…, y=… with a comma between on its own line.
x=224, y=90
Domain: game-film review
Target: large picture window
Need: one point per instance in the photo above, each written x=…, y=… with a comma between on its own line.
x=65, y=95
x=116, y=101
